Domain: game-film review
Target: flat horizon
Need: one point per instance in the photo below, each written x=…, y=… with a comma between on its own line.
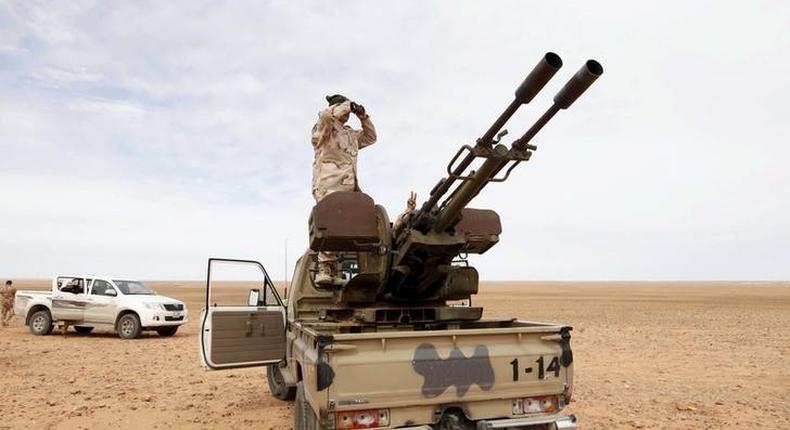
x=482, y=281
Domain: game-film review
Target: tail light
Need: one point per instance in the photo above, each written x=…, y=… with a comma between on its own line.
x=536, y=405
x=367, y=419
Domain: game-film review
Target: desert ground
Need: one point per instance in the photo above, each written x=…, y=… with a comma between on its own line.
x=647, y=356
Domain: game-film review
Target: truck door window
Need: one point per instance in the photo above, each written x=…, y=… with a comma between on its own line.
x=100, y=288
x=72, y=285
x=269, y=298
x=231, y=281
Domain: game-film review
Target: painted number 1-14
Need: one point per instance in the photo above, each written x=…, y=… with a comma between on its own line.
x=553, y=367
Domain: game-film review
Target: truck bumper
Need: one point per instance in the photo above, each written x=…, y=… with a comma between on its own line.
x=157, y=318
x=564, y=422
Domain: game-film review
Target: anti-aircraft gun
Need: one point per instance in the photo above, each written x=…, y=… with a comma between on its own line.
x=415, y=268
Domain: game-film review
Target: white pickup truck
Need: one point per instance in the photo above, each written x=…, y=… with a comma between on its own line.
x=85, y=302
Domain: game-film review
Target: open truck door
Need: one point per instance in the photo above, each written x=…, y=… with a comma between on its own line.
x=70, y=298
x=247, y=333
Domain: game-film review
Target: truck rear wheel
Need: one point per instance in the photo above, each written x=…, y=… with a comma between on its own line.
x=129, y=326
x=41, y=323
x=304, y=417
x=277, y=384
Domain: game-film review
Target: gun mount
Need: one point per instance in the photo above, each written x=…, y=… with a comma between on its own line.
x=417, y=263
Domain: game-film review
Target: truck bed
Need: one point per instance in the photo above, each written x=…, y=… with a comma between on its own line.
x=23, y=297
x=484, y=366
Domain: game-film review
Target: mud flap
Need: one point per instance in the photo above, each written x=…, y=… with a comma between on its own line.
x=325, y=375
x=566, y=358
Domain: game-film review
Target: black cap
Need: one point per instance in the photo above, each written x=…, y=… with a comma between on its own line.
x=336, y=98
x=8, y=282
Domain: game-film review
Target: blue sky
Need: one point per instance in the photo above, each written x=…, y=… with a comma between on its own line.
x=141, y=138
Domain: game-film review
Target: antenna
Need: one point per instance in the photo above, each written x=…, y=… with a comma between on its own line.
x=285, y=293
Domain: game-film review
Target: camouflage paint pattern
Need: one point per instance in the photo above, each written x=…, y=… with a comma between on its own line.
x=457, y=370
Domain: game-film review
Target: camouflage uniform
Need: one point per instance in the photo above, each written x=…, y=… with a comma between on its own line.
x=336, y=146
x=7, y=293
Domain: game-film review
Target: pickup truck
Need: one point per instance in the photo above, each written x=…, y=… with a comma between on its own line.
x=371, y=336
x=477, y=375
x=85, y=302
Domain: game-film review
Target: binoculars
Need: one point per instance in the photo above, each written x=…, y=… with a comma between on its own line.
x=357, y=108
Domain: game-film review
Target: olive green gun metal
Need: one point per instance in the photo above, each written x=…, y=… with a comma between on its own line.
x=498, y=157
x=440, y=218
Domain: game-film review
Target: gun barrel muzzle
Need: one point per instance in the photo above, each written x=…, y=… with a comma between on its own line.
x=578, y=84
x=538, y=77
x=531, y=86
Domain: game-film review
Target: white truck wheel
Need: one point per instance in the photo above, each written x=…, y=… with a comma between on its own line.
x=41, y=323
x=167, y=331
x=129, y=326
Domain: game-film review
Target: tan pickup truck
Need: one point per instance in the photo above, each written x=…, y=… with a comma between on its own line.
x=410, y=373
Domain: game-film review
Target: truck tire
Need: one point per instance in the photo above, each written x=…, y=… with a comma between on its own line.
x=41, y=323
x=167, y=331
x=129, y=326
x=304, y=417
x=83, y=329
x=277, y=384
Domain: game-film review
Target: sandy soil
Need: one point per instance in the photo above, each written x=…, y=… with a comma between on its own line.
x=647, y=355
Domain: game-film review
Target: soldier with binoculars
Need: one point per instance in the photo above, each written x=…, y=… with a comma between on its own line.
x=336, y=146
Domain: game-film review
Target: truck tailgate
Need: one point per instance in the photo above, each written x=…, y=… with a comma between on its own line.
x=398, y=369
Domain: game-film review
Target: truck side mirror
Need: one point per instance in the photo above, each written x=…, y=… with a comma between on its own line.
x=111, y=292
x=252, y=297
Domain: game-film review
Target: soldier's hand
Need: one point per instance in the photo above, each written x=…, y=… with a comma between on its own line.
x=411, y=204
x=358, y=109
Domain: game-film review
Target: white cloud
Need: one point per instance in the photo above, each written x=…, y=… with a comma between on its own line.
x=671, y=167
x=66, y=224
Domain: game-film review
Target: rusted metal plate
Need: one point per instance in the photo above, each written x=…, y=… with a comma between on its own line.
x=481, y=229
x=343, y=221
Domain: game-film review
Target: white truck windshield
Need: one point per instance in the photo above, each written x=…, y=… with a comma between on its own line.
x=134, y=288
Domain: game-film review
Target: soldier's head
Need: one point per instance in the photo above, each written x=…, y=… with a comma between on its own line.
x=336, y=99
x=340, y=101
x=8, y=282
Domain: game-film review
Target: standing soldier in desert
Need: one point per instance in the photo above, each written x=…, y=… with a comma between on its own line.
x=7, y=293
x=336, y=146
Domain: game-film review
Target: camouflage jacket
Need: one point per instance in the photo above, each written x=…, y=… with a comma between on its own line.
x=7, y=294
x=336, y=146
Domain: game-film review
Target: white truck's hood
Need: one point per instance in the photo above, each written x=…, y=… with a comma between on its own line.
x=140, y=298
